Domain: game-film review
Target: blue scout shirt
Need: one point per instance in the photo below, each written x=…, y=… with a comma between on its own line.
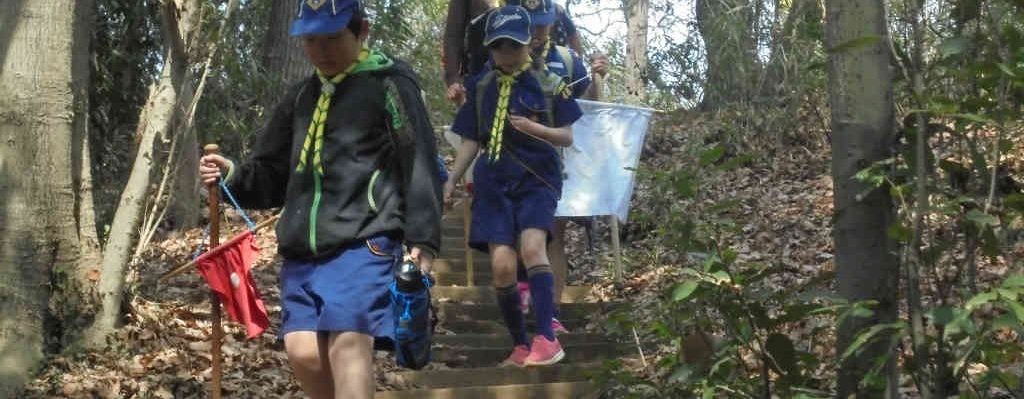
x=579, y=76
x=526, y=99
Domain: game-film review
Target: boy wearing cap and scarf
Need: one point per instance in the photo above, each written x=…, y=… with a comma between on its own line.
x=518, y=177
x=350, y=154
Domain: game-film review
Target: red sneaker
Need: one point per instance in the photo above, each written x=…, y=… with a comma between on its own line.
x=517, y=358
x=544, y=352
x=558, y=327
x=524, y=297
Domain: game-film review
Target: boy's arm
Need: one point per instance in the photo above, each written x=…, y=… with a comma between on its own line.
x=417, y=159
x=463, y=157
x=557, y=136
x=260, y=182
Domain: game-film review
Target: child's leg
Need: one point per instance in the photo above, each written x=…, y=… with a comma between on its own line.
x=351, y=357
x=307, y=352
x=503, y=266
x=534, y=248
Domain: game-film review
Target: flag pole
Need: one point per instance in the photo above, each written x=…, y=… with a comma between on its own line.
x=598, y=81
x=217, y=334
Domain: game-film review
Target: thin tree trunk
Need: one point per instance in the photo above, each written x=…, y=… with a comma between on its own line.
x=40, y=61
x=169, y=95
x=727, y=27
x=862, y=123
x=636, y=49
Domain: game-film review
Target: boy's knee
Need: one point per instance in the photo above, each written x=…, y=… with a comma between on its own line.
x=535, y=254
x=302, y=354
x=349, y=344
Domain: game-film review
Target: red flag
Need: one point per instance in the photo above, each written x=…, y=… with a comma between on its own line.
x=226, y=270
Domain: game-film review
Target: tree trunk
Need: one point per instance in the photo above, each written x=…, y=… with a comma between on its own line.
x=167, y=97
x=283, y=59
x=727, y=27
x=43, y=57
x=792, y=45
x=862, y=134
x=636, y=49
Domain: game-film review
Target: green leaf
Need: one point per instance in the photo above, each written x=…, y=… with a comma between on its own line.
x=868, y=336
x=721, y=277
x=982, y=219
x=684, y=290
x=899, y=232
x=980, y=299
x=942, y=315
x=974, y=118
x=712, y=155
x=1017, y=309
x=1014, y=281
x=1015, y=201
x=782, y=350
x=735, y=162
x=1006, y=69
x=1007, y=295
x=682, y=374
x=860, y=42
x=989, y=242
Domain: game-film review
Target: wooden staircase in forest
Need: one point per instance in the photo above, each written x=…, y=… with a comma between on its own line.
x=472, y=339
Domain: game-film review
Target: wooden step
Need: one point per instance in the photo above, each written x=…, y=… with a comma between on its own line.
x=489, y=357
x=486, y=295
x=503, y=340
x=496, y=325
x=481, y=263
x=569, y=311
x=560, y=390
x=493, y=376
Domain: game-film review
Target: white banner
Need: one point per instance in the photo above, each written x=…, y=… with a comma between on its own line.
x=607, y=142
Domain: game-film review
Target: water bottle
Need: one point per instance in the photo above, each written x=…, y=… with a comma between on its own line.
x=411, y=307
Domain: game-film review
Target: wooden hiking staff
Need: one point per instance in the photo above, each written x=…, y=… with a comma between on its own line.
x=217, y=336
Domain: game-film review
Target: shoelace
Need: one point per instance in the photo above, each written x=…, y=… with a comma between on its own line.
x=505, y=82
x=315, y=135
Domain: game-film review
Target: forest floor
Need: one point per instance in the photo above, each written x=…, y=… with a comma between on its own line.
x=784, y=206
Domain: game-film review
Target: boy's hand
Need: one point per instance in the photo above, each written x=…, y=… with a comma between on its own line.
x=210, y=168
x=422, y=258
x=449, y=190
x=525, y=125
x=457, y=93
x=599, y=64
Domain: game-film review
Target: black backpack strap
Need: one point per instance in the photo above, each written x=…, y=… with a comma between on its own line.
x=478, y=101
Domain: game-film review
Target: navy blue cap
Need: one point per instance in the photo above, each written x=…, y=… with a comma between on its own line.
x=323, y=17
x=541, y=11
x=508, y=22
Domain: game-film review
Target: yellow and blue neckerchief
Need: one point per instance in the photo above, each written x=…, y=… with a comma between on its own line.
x=505, y=82
x=315, y=135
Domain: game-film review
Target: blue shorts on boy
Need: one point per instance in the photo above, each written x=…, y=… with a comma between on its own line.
x=346, y=292
x=521, y=188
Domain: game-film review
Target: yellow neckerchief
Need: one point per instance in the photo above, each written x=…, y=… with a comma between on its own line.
x=543, y=57
x=315, y=135
x=505, y=82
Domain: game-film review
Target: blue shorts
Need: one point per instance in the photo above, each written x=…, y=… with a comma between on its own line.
x=500, y=214
x=348, y=292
